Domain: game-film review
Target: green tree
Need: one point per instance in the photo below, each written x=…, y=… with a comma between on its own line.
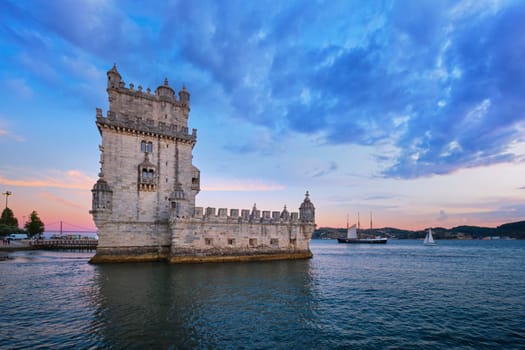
x=8, y=218
x=34, y=226
x=8, y=223
x=5, y=230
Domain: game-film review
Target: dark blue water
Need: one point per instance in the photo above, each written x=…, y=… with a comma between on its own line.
x=459, y=294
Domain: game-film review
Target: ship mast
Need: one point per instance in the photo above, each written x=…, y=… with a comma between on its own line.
x=347, y=227
x=358, y=226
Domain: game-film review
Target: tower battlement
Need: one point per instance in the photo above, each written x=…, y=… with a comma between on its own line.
x=253, y=216
x=163, y=93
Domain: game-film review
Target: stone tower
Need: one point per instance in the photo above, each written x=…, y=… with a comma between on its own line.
x=144, y=200
x=146, y=170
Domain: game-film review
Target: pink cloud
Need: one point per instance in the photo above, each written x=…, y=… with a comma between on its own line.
x=53, y=198
x=7, y=134
x=71, y=179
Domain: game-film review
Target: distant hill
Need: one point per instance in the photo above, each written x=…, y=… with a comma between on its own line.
x=514, y=230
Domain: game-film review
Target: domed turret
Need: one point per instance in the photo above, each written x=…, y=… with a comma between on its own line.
x=184, y=96
x=285, y=215
x=165, y=90
x=307, y=210
x=102, y=197
x=114, y=77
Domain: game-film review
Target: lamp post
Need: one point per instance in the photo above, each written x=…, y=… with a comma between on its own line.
x=6, y=194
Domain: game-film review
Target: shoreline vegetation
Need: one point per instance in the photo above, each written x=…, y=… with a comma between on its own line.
x=514, y=230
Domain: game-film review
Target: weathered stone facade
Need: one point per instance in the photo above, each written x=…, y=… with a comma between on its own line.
x=144, y=200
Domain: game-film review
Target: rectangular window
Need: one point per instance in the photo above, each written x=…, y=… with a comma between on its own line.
x=274, y=241
x=253, y=242
x=208, y=241
x=146, y=147
x=231, y=241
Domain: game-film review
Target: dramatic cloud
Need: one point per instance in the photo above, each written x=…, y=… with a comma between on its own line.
x=440, y=83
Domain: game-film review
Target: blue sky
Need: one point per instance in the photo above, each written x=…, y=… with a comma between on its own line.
x=411, y=110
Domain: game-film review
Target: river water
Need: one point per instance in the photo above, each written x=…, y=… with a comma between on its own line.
x=459, y=294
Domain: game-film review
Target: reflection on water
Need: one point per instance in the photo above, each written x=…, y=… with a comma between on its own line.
x=466, y=295
x=212, y=306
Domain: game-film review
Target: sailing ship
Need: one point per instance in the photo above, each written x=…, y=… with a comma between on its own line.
x=353, y=236
x=429, y=240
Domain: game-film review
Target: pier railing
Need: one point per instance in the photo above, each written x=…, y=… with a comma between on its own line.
x=65, y=244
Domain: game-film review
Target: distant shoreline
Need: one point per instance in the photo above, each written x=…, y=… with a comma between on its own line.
x=444, y=239
x=514, y=230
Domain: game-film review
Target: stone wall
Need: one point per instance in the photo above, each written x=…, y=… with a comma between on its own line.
x=242, y=235
x=133, y=242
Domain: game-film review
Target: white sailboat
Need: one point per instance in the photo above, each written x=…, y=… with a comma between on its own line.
x=429, y=240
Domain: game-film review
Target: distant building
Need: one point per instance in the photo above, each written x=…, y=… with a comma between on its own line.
x=144, y=200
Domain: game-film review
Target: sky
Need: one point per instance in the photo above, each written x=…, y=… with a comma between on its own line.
x=410, y=111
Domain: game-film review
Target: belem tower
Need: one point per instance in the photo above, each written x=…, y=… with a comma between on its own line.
x=144, y=200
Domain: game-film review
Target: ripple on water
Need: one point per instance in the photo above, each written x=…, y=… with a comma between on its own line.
x=464, y=295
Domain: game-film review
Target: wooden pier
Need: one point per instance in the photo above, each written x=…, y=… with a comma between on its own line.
x=64, y=244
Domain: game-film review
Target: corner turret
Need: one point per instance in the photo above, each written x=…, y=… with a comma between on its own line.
x=307, y=210
x=177, y=201
x=165, y=90
x=114, y=77
x=102, y=200
x=184, y=97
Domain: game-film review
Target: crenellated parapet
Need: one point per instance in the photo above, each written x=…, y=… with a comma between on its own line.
x=253, y=216
x=150, y=127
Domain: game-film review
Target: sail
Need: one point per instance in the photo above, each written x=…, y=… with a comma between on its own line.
x=429, y=239
x=351, y=232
